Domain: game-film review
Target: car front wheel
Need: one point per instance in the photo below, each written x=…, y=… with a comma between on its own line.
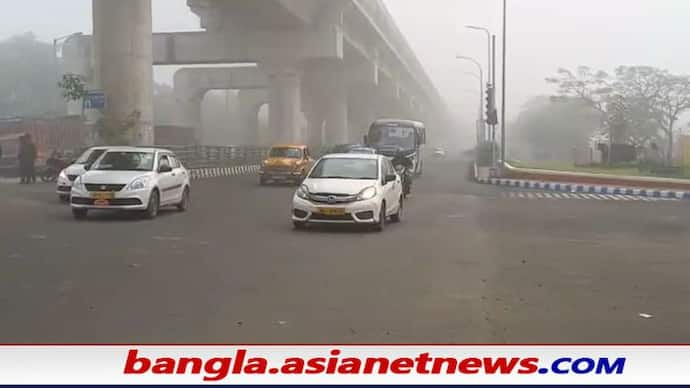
x=382, y=219
x=397, y=217
x=154, y=205
x=184, y=202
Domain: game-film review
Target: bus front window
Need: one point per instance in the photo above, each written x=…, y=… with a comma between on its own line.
x=401, y=137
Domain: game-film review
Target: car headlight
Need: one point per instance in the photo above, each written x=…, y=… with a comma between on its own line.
x=78, y=184
x=368, y=193
x=62, y=175
x=303, y=192
x=139, y=183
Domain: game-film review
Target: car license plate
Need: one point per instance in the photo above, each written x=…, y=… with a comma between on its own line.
x=330, y=211
x=101, y=202
x=102, y=195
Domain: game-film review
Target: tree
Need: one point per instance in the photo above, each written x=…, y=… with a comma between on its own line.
x=547, y=130
x=660, y=97
x=27, y=79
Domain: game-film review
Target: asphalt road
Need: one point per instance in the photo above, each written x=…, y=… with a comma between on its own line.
x=468, y=264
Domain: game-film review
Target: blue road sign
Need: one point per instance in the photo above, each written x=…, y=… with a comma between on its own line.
x=94, y=99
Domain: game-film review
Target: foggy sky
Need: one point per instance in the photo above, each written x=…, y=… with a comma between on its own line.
x=542, y=36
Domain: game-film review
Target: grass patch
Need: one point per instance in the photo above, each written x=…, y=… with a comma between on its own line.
x=623, y=170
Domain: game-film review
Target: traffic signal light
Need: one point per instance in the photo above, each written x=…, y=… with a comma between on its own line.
x=491, y=113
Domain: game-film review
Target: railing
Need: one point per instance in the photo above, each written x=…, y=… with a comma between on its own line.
x=194, y=157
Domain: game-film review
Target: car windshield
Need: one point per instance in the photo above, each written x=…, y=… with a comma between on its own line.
x=90, y=156
x=346, y=168
x=125, y=161
x=285, y=152
x=403, y=137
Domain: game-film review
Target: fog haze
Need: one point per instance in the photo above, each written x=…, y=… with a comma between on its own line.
x=542, y=36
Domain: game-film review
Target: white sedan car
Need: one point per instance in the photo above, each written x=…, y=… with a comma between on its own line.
x=132, y=178
x=71, y=172
x=349, y=189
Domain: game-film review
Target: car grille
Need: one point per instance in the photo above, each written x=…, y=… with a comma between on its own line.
x=64, y=189
x=111, y=202
x=106, y=187
x=72, y=177
x=323, y=217
x=332, y=198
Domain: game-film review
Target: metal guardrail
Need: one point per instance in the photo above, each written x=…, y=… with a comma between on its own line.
x=194, y=157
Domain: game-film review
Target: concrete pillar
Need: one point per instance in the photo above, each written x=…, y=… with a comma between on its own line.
x=188, y=112
x=325, y=102
x=284, y=108
x=251, y=101
x=123, y=57
x=337, y=128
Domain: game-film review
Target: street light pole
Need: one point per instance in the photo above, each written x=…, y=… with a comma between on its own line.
x=56, y=66
x=481, y=89
x=503, y=91
x=488, y=58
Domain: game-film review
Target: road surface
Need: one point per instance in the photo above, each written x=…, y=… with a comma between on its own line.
x=468, y=264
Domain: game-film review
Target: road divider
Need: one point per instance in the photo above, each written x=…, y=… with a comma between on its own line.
x=217, y=172
x=567, y=183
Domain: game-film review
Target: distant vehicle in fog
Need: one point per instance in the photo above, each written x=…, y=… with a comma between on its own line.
x=393, y=137
x=362, y=150
x=345, y=148
x=439, y=153
x=286, y=163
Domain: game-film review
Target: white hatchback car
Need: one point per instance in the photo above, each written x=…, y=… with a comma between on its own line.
x=78, y=167
x=349, y=189
x=132, y=178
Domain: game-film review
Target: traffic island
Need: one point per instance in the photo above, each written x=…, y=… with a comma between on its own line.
x=576, y=182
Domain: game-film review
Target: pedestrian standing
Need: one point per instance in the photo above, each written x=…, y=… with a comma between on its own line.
x=27, y=160
x=31, y=159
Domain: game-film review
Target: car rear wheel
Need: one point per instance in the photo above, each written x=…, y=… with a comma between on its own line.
x=80, y=214
x=382, y=219
x=184, y=202
x=262, y=181
x=154, y=205
x=397, y=217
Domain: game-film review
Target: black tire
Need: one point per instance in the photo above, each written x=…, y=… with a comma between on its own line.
x=80, y=214
x=381, y=225
x=397, y=217
x=63, y=198
x=184, y=202
x=299, y=225
x=154, y=205
x=262, y=181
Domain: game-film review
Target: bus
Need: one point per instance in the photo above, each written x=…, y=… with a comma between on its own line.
x=391, y=137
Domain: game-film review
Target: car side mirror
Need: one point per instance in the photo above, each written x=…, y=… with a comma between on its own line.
x=391, y=178
x=164, y=168
x=87, y=166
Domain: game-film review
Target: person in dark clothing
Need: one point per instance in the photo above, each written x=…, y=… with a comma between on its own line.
x=27, y=160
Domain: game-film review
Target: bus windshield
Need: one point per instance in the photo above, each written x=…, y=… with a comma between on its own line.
x=401, y=137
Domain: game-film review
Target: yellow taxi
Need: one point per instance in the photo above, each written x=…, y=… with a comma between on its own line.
x=287, y=163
